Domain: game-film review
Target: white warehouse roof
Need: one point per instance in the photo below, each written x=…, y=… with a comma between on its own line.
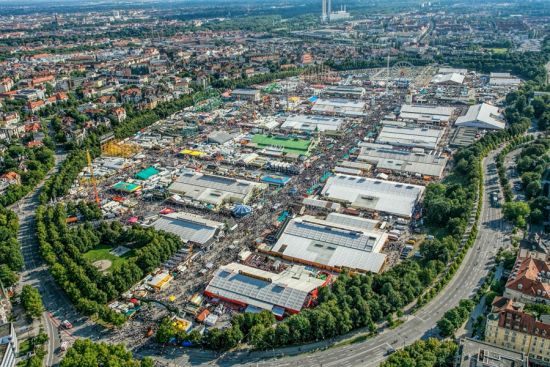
x=372, y=194
x=312, y=123
x=445, y=70
x=189, y=227
x=387, y=157
x=482, y=116
x=453, y=78
x=416, y=137
x=334, y=242
x=423, y=113
x=212, y=189
x=344, y=107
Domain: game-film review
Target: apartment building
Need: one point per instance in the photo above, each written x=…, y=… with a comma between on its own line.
x=510, y=327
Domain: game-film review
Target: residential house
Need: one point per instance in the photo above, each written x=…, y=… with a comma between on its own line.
x=119, y=114
x=6, y=84
x=529, y=281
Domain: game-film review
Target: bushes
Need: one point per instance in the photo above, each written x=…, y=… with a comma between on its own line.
x=429, y=353
x=455, y=318
x=516, y=212
x=86, y=353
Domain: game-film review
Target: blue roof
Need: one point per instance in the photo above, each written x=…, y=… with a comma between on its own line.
x=313, y=99
x=241, y=210
x=276, y=180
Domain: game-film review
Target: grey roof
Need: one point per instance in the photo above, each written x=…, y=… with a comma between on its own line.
x=386, y=157
x=344, y=107
x=476, y=353
x=246, y=91
x=426, y=113
x=448, y=78
x=348, y=220
x=312, y=122
x=212, y=189
x=189, y=228
x=420, y=137
x=336, y=242
x=331, y=235
x=482, y=116
x=373, y=194
x=216, y=182
x=220, y=137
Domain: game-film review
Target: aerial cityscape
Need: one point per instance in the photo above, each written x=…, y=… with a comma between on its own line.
x=275, y=183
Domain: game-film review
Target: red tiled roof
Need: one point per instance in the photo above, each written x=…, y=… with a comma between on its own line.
x=527, y=278
x=523, y=322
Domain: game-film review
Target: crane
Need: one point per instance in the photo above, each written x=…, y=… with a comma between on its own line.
x=92, y=178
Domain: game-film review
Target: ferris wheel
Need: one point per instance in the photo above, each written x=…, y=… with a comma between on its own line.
x=400, y=69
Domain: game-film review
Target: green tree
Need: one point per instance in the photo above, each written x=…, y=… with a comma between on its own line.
x=7, y=276
x=516, y=212
x=32, y=302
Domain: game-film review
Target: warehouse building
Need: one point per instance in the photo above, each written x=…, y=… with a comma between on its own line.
x=426, y=114
x=373, y=195
x=340, y=107
x=255, y=289
x=503, y=80
x=448, y=79
x=252, y=95
x=482, y=116
x=312, y=123
x=335, y=243
x=212, y=189
x=388, y=159
x=448, y=70
x=189, y=227
x=344, y=91
x=410, y=136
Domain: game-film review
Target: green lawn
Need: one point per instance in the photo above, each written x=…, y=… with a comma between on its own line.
x=300, y=146
x=24, y=347
x=102, y=252
x=497, y=50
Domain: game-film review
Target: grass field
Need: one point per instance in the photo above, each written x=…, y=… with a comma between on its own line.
x=299, y=146
x=498, y=50
x=102, y=253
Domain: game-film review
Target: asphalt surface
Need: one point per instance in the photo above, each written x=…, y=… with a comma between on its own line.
x=469, y=277
x=35, y=272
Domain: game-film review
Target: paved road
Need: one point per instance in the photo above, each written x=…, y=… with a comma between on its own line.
x=35, y=272
x=464, y=284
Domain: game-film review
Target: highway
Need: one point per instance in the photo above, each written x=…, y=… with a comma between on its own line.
x=470, y=275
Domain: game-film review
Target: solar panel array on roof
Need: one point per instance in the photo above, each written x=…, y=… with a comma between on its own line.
x=315, y=232
x=256, y=292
